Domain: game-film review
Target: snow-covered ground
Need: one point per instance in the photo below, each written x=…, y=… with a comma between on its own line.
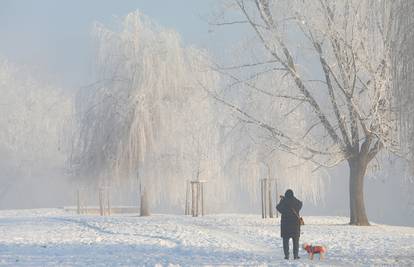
x=53, y=237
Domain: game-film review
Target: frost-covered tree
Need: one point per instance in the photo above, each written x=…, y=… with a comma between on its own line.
x=33, y=123
x=250, y=152
x=403, y=80
x=403, y=70
x=146, y=118
x=332, y=62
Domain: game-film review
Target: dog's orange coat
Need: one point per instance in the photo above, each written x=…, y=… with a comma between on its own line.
x=321, y=250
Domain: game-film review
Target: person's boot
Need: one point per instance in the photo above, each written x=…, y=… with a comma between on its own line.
x=286, y=257
x=296, y=257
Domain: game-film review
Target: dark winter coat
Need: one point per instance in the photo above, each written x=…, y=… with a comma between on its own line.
x=289, y=224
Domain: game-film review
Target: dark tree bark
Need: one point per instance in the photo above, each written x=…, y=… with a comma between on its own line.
x=358, y=163
x=144, y=206
x=357, y=169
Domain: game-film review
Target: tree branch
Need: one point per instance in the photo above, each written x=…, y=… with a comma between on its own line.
x=289, y=64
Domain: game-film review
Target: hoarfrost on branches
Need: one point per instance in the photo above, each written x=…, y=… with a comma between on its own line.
x=146, y=120
x=255, y=152
x=403, y=81
x=332, y=59
x=403, y=69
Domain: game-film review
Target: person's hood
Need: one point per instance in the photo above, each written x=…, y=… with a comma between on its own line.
x=289, y=194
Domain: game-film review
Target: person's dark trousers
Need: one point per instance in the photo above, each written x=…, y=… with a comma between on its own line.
x=295, y=246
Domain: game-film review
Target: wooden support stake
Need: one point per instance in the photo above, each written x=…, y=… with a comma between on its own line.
x=261, y=196
x=264, y=199
x=266, y=194
x=202, y=199
x=101, y=205
x=192, y=199
x=276, y=198
x=187, y=204
x=270, y=199
x=78, y=201
x=197, y=198
x=108, y=202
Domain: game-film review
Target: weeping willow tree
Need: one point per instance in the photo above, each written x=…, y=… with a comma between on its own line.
x=403, y=83
x=403, y=71
x=145, y=119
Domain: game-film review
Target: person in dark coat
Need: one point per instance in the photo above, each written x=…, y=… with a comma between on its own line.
x=289, y=207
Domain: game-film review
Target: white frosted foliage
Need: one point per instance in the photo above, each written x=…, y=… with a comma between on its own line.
x=147, y=119
x=33, y=122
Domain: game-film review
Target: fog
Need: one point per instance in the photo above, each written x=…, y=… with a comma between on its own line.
x=50, y=44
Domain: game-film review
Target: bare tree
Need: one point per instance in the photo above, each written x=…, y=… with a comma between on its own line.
x=332, y=59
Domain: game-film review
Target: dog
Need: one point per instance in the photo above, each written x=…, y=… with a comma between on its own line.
x=321, y=250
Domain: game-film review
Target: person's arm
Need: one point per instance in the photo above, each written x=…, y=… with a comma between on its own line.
x=281, y=206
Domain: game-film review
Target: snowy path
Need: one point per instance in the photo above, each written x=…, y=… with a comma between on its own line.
x=52, y=237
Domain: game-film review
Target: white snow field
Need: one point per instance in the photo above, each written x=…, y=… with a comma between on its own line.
x=54, y=237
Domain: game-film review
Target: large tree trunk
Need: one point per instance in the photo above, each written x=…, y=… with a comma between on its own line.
x=357, y=169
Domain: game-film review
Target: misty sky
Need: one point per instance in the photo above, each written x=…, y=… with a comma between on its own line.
x=55, y=36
